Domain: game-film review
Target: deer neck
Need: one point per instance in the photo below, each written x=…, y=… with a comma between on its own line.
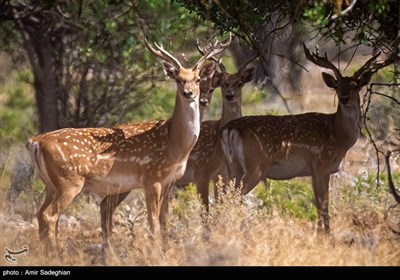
x=230, y=111
x=202, y=113
x=184, y=126
x=346, y=124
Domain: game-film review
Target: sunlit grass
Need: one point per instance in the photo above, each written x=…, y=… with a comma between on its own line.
x=274, y=226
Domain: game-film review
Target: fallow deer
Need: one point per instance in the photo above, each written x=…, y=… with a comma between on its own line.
x=310, y=144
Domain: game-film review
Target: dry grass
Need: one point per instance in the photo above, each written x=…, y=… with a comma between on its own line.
x=239, y=234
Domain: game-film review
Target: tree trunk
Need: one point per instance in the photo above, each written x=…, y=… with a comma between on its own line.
x=46, y=100
x=41, y=51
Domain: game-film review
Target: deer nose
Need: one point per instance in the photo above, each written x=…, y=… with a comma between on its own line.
x=229, y=97
x=204, y=102
x=344, y=100
x=187, y=93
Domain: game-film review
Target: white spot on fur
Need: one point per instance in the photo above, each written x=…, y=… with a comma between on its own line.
x=61, y=153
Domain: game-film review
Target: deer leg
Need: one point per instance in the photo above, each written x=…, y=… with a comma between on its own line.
x=235, y=171
x=153, y=201
x=155, y=197
x=107, y=208
x=43, y=223
x=250, y=179
x=164, y=210
x=47, y=226
x=203, y=189
x=320, y=184
x=50, y=214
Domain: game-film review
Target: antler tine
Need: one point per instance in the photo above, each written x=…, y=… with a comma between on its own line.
x=200, y=49
x=373, y=67
x=229, y=41
x=247, y=62
x=213, y=51
x=203, y=51
x=169, y=56
x=163, y=54
x=322, y=61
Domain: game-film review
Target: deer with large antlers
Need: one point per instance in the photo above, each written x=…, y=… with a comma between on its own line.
x=206, y=161
x=113, y=161
x=207, y=87
x=310, y=144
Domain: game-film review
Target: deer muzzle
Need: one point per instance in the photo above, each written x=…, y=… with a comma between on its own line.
x=188, y=93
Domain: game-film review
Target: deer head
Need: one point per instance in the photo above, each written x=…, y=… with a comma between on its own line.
x=231, y=84
x=347, y=88
x=207, y=87
x=187, y=80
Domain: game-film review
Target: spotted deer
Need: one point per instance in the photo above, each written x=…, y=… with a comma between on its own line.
x=206, y=161
x=310, y=144
x=113, y=161
x=207, y=87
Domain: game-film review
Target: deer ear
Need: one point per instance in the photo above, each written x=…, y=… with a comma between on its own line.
x=217, y=79
x=329, y=80
x=207, y=71
x=364, y=79
x=248, y=74
x=170, y=70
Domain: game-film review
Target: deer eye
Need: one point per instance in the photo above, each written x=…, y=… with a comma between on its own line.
x=198, y=81
x=180, y=81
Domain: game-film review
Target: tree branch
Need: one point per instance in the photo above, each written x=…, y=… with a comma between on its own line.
x=344, y=12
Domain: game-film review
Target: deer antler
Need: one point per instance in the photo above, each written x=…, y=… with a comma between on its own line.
x=247, y=62
x=203, y=51
x=212, y=52
x=163, y=54
x=322, y=61
x=371, y=67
